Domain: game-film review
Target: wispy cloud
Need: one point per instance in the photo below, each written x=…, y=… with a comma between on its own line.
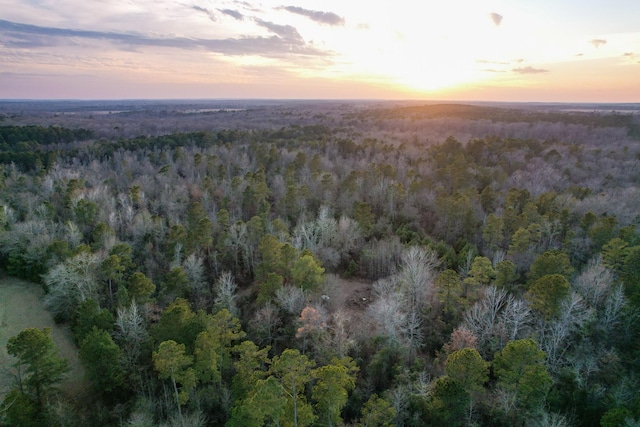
x=529, y=70
x=286, y=32
x=287, y=41
x=597, y=42
x=206, y=11
x=327, y=18
x=496, y=18
x=232, y=13
x=248, y=6
x=486, y=61
x=27, y=75
x=631, y=57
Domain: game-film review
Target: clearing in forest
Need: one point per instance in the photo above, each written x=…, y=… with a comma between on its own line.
x=21, y=307
x=353, y=297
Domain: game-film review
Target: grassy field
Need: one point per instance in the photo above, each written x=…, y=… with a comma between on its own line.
x=21, y=307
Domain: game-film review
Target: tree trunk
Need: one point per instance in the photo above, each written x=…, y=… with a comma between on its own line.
x=175, y=389
x=110, y=294
x=295, y=402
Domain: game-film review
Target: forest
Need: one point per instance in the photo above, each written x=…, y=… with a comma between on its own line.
x=325, y=264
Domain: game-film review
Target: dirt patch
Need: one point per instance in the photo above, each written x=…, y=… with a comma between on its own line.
x=21, y=307
x=357, y=295
x=352, y=297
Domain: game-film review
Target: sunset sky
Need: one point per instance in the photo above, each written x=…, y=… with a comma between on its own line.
x=510, y=50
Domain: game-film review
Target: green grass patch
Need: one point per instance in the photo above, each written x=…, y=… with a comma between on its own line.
x=21, y=306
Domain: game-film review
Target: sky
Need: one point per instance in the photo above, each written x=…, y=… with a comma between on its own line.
x=489, y=50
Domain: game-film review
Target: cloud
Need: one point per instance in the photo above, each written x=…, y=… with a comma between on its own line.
x=486, y=61
x=597, y=42
x=206, y=11
x=287, y=32
x=286, y=42
x=529, y=70
x=496, y=18
x=327, y=18
x=628, y=54
x=247, y=5
x=232, y=13
x=22, y=75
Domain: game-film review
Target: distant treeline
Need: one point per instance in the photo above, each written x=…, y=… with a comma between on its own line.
x=508, y=115
x=31, y=147
x=12, y=136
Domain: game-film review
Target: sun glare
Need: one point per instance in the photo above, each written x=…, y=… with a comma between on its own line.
x=433, y=74
x=411, y=65
x=419, y=53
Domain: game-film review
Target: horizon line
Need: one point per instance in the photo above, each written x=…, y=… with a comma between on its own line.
x=242, y=99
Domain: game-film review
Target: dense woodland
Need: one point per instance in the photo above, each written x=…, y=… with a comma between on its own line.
x=207, y=263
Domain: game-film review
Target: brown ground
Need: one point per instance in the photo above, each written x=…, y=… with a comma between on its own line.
x=352, y=297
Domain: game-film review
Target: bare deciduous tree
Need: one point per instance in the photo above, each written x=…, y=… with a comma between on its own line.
x=516, y=318
x=594, y=283
x=548, y=419
x=613, y=307
x=381, y=258
x=341, y=340
x=495, y=319
x=349, y=236
x=74, y=236
x=554, y=336
x=416, y=277
x=265, y=323
x=71, y=283
x=194, y=268
x=236, y=241
x=131, y=334
x=225, y=290
x=290, y=299
x=387, y=313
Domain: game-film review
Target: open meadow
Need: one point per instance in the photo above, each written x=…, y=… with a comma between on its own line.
x=21, y=307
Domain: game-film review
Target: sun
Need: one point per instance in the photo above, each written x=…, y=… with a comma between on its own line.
x=434, y=75
x=414, y=66
x=413, y=59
